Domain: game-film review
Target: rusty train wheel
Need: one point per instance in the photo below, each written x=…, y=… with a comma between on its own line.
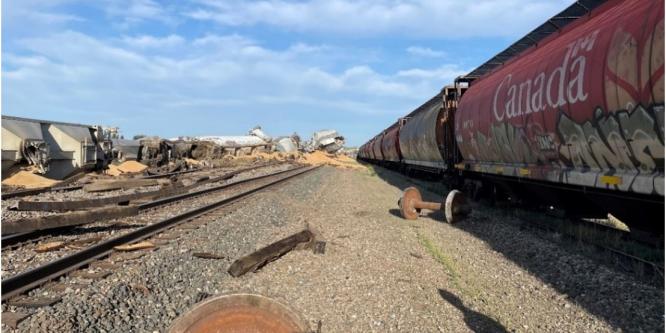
x=455, y=206
x=239, y=313
x=409, y=196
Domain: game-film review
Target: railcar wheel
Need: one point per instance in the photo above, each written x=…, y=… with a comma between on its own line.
x=406, y=203
x=455, y=206
x=239, y=313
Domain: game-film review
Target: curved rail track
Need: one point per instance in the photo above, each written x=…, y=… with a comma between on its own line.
x=35, y=277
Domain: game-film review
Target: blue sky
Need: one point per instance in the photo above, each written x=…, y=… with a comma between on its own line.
x=207, y=67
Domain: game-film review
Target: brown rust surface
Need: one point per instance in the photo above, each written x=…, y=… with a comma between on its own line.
x=239, y=313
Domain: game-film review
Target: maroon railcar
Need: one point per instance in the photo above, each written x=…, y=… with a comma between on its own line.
x=377, y=147
x=390, y=143
x=585, y=107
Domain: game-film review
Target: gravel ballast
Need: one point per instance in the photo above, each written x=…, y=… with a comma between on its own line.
x=379, y=272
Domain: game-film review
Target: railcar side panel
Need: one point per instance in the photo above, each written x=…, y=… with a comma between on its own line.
x=390, y=146
x=585, y=108
x=418, y=137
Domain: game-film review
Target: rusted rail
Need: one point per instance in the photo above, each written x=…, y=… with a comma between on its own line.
x=21, y=282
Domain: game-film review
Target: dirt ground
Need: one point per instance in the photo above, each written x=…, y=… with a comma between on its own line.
x=379, y=273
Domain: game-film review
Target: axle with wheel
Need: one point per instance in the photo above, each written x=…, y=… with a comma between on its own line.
x=454, y=206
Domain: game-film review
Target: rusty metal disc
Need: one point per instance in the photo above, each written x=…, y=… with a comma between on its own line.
x=455, y=206
x=409, y=196
x=239, y=313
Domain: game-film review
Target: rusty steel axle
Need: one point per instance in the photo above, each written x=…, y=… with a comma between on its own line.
x=454, y=205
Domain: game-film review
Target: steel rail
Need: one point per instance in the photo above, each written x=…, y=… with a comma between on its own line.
x=14, y=239
x=37, y=276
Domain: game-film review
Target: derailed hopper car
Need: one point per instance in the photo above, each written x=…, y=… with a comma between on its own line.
x=56, y=149
x=571, y=115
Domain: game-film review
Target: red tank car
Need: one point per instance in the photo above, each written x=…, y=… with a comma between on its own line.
x=585, y=107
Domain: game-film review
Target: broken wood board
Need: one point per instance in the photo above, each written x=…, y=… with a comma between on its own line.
x=207, y=255
x=136, y=246
x=110, y=185
x=67, y=219
x=257, y=259
x=90, y=275
x=50, y=246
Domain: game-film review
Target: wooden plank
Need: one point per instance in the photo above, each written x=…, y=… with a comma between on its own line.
x=67, y=219
x=257, y=259
x=34, y=302
x=109, y=185
x=207, y=255
x=59, y=206
x=12, y=319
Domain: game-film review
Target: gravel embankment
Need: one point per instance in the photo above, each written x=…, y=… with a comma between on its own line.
x=379, y=273
x=23, y=258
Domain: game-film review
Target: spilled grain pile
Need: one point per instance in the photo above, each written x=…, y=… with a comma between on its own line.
x=28, y=179
x=320, y=157
x=126, y=167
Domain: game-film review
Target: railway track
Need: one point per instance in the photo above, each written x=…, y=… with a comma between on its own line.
x=18, y=239
x=37, y=276
x=64, y=187
x=634, y=254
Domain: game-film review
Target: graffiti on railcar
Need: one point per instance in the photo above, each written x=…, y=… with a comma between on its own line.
x=625, y=141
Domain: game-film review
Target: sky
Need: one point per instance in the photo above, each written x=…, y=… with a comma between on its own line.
x=209, y=67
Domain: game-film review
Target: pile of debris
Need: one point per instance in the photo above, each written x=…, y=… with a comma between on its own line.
x=30, y=150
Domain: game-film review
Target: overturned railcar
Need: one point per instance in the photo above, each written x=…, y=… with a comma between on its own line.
x=56, y=149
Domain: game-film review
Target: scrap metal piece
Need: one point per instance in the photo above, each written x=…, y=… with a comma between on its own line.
x=239, y=313
x=68, y=219
x=257, y=259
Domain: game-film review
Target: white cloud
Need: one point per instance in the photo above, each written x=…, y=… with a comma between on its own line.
x=119, y=82
x=425, y=52
x=146, y=41
x=426, y=18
